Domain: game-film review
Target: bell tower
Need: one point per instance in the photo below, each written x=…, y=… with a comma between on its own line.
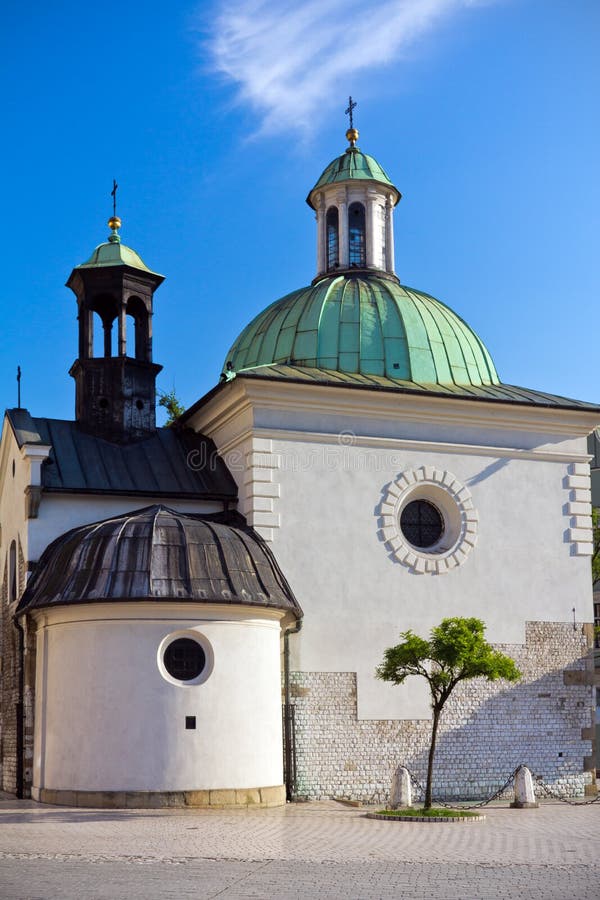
x=115, y=389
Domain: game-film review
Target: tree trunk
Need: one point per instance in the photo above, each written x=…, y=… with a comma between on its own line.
x=434, y=728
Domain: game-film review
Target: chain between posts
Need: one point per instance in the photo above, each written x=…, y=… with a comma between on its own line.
x=545, y=789
x=478, y=805
x=548, y=792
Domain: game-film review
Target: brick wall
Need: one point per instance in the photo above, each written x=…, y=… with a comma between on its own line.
x=9, y=687
x=8, y=691
x=487, y=729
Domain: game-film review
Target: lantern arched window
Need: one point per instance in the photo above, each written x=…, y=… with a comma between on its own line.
x=332, y=237
x=356, y=235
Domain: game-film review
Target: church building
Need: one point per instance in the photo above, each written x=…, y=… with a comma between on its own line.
x=192, y=615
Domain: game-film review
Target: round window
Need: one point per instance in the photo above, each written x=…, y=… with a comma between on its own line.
x=427, y=520
x=421, y=523
x=184, y=659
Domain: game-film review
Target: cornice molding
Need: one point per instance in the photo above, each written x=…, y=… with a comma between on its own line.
x=346, y=440
x=269, y=394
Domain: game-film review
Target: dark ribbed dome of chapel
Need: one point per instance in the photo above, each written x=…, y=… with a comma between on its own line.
x=158, y=553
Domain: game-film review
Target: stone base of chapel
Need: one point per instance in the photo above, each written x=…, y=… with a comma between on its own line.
x=227, y=798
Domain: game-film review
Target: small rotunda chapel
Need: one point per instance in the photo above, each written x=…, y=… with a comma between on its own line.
x=180, y=630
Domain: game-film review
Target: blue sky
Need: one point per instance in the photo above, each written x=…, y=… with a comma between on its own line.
x=217, y=118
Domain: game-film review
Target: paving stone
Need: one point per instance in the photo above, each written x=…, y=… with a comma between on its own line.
x=302, y=850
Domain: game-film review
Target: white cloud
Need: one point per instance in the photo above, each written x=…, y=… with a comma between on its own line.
x=288, y=58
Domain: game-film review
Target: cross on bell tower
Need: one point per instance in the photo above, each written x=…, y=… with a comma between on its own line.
x=115, y=390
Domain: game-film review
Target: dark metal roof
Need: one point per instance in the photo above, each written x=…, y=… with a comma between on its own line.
x=158, y=553
x=170, y=463
x=495, y=393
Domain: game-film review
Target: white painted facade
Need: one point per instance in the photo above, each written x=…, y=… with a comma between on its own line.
x=109, y=719
x=20, y=469
x=317, y=466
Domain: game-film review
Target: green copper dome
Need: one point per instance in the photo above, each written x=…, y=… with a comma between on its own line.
x=351, y=166
x=366, y=324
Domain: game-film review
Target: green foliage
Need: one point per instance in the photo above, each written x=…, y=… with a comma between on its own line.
x=169, y=401
x=596, y=556
x=456, y=651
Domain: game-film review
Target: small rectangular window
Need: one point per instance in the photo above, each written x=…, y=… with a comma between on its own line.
x=190, y=722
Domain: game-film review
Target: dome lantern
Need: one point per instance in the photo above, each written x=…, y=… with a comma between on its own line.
x=354, y=202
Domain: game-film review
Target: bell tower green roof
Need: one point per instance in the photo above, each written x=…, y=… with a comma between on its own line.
x=113, y=253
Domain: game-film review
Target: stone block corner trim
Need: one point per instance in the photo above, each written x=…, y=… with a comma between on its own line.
x=579, y=509
x=451, y=498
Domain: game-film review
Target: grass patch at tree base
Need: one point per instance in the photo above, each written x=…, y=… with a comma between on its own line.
x=434, y=812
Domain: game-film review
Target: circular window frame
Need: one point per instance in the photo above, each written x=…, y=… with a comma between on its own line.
x=203, y=642
x=453, y=501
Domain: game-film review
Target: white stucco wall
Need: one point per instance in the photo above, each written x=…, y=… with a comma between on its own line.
x=109, y=721
x=15, y=475
x=357, y=599
x=317, y=462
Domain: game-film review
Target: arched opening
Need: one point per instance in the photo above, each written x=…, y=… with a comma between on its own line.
x=129, y=334
x=332, y=237
x=12, y=572
x=356, y=235
x=103, y=338
x=104, y=309
x=137, y=312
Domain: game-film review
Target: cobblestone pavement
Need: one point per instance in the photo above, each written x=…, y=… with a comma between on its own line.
x=307, y=850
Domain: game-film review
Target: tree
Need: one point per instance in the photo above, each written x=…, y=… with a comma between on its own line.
x=456, y=651
x=169, y=401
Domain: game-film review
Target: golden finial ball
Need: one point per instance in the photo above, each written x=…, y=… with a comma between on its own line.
x=114, y=222
x=352, y=135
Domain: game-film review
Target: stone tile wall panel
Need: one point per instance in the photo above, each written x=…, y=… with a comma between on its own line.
x=487, y=729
